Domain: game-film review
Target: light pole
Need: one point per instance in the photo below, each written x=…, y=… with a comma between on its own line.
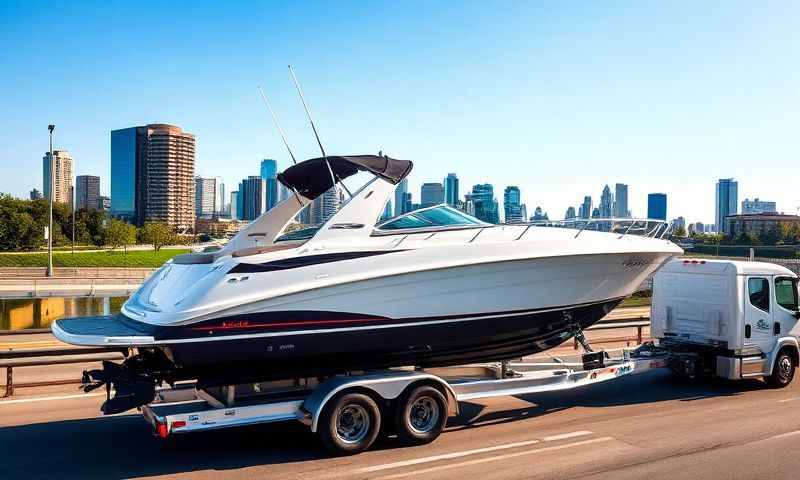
x=50, y=208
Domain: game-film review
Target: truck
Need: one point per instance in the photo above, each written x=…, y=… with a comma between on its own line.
x=728, y=319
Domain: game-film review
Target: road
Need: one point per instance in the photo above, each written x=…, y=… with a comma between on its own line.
x=645, y=426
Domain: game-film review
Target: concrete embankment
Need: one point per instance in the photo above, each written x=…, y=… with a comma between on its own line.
x=31, y=282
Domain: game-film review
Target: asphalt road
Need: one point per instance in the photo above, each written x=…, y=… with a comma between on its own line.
x=646, y=426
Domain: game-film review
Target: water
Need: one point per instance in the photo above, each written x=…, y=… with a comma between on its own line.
x=40, y=312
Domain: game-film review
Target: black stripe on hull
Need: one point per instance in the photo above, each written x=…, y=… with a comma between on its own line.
x=424, y=344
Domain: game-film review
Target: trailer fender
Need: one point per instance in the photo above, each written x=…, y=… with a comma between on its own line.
x=792, y=344
x=386, y=385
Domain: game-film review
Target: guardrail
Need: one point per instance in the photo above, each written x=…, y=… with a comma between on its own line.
x=11, y=359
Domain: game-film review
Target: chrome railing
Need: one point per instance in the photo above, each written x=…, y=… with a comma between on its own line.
x=646, y=227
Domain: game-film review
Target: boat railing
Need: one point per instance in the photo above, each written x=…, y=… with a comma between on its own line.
x=646, y=227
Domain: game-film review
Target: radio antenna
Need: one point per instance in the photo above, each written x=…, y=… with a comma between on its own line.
x=314, y=128
x=277, y=124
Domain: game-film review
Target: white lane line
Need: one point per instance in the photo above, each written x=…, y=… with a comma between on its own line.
x=788, y=400
x=782, y=435
x=477, y=461
x=565, y=436
x=464, y=453
x=47, y=399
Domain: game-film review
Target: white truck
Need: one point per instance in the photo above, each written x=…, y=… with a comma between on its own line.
x=729, y=319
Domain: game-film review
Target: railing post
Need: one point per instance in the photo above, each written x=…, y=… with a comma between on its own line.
x=575, y=343
x=9, y=382
x=639, y=334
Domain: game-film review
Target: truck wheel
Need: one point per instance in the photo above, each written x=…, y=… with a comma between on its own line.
x=421, y=415
x=349, y=424
x=783, y=371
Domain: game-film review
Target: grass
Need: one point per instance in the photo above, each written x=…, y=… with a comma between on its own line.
x=132, y=259
x=635, y=302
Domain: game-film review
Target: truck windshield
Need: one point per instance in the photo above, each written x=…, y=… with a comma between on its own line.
x=786, y=293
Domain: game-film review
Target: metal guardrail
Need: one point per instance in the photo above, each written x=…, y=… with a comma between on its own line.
x=63, y=273
x=11, y=359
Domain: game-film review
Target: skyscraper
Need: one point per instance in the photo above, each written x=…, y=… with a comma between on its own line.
x=269, y=173
x=400, y=197
x=606, y=203
x=586, y=207
x=36, y=194
x=87, y=192
x=757, y=205
x=451, y=189
x=657, y=206
x=152, y=175
x=726, y=201
x=205, y=196
x=325, y=206
x=621, y=201
x=484, y=203
x=253, y=195
x=221, y=210
x=431, y=193
x=233, y=206
x=512, y=207
x=570, y=213
x=62, y=177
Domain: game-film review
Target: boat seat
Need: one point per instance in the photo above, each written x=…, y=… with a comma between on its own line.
x=246, y=252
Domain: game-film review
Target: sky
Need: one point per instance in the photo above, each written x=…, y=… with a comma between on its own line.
x=559, y=98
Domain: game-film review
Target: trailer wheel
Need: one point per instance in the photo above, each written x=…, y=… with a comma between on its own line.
x=421, y=415
x=349, y=424
x=783, y=371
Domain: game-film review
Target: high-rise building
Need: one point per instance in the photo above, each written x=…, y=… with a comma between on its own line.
x=606, y=203
x=679, y=222
x=431, y=193
x=727, y=195
x=104, y=203
x=87, y=192
x=325, y=206
x=36, y=195
x=62, y=178
x=387, y=211
x=539, y=215
x=408, y=204
x=484, y=203
x=621, y=201
x=152, y=175
x=512, y=205
x=253, y=195
x=570, y=213
x=585, y=210
x=205, y=196
x=758, y=206
x=451, y=189
x=269, y=173
x=233, y=206
x=657, y=206
x=400, y=197
x=222, y=198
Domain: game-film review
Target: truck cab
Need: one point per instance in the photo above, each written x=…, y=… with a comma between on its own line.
x=732, y=319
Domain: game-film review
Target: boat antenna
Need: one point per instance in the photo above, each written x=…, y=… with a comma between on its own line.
x=277, y=124
x=314, y=128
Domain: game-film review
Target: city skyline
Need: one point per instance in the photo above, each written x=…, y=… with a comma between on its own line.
x=570, y=108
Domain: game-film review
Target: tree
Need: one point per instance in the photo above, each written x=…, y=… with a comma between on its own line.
x=679, y=231
x=120, y=234
x=156, y=233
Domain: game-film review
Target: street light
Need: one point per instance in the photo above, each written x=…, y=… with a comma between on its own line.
x=50, y=204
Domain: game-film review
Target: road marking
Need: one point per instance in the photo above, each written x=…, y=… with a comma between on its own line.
x=565, y=436
x=477, y=461
x=46, y=399
x=788, y=400
x=464, y=453
x=783, y=435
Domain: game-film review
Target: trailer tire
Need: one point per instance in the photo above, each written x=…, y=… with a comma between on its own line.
x=349, y=424
x=421, y=415
x=783, y=370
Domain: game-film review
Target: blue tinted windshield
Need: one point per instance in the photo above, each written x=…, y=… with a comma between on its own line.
x=441, y=216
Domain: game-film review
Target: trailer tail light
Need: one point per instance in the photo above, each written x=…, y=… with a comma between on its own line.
x=162, y=430
x=178, y=424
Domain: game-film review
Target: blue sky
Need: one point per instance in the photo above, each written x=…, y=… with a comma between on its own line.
x=559, y=98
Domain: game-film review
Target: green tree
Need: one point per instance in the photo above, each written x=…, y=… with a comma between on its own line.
x=120, y=234
x=679, y=231
x=156, y=233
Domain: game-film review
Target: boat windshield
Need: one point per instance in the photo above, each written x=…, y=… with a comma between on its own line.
x=298, y=235
x=438, y=217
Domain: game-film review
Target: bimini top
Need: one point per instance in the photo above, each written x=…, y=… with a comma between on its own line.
x=311, y=178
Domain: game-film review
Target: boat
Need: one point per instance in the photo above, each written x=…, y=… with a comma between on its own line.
x=431, y=287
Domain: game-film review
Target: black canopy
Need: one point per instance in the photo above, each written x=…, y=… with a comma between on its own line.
x=311, y=178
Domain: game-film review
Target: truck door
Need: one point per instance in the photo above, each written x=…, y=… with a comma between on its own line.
x=785, y=307
x=757, y=315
